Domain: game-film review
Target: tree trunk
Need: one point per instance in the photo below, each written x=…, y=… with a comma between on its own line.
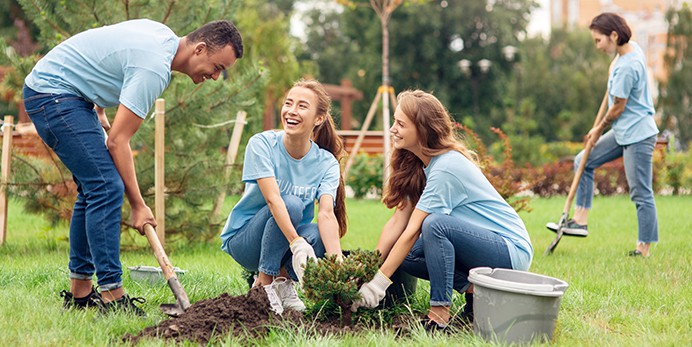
x=385, y=96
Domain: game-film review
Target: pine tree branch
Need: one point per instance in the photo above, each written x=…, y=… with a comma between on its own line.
x=127, y=9
x=51, y=23
x=169, y=10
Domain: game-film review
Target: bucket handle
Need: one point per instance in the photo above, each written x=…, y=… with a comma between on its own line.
x=545, y=288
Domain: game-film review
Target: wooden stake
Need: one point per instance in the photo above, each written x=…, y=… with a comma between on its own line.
x=159, y=169
x=5, y=179
x=363, y=129
x=389, y=95
x=230, y=159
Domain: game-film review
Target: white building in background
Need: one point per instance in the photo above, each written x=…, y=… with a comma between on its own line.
x=645, y=17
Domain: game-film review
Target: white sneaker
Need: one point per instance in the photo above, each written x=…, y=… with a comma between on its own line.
x=286, y=291
x=274, y=300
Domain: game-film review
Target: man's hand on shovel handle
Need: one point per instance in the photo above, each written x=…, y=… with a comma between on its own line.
x=142, y=215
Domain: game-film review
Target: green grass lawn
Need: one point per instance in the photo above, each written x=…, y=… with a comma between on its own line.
x=613, y=300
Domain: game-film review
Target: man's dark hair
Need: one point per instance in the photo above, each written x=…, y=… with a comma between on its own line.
x=217, y=35
x=605, y=23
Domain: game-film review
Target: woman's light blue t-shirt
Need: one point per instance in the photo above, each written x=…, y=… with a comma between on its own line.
x=127, y=63
x=308, y=178
x=456, y=186
x=628, y=80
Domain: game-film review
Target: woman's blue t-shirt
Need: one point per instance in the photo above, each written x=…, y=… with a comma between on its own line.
x=308, y=178
x=456, y=186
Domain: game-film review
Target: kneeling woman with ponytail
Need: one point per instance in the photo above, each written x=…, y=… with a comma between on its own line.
x=270, y=229
x=448, y=218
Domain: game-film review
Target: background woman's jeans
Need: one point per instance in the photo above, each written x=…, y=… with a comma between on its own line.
x=447, y=249
x=261, y=246
x=638, y=161
x=69, y=125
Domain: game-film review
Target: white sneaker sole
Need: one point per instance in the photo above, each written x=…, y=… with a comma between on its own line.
x=567, y=231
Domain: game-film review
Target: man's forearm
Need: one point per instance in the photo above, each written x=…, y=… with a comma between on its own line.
x=122, y=158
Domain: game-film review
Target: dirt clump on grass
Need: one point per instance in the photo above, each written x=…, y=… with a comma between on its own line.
x=248, y=316
x=237, y=315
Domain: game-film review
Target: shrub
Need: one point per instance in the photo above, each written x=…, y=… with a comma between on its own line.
x=552, y=152
x=365, y=175
x=44, y=186
x=556, y=178
x=505, y=176
x=677, y=172
x=329, y=281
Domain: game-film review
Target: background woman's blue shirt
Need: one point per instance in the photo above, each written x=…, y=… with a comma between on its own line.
x=628, y=80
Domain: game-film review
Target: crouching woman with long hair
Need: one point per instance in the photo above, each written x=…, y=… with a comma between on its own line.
x=270, y=229
x=448, y=218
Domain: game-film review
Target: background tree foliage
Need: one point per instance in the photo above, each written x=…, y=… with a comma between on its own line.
x=676, y=92
x=195, y=143
x=565, y=78
x=550, y=90
x=347, y=44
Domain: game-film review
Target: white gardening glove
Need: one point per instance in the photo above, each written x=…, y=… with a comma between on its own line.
x=372, y=292
x=302, y=251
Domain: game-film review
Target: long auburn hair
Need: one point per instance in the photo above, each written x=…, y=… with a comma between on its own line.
x=324, y=135
x=436, y=135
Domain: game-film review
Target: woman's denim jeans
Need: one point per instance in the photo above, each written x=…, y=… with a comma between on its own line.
x=638, y=161
x=447, y=249
x=69, y=126
x=261, y=246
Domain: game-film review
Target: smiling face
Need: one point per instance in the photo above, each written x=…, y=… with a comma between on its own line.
x=204, y=66
x=604, y=43
x=299, y=112
x=404, y=133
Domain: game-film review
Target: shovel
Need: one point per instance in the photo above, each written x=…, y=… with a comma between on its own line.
x=570, y=197
x=173, y=310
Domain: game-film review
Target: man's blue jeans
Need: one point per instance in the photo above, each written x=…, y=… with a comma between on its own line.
x=638, y=161
x=69, y=125
x=447, y=249
x=261, y=246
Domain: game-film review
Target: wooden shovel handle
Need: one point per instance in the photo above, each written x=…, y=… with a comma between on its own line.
x=577, y=178
x=159, y=252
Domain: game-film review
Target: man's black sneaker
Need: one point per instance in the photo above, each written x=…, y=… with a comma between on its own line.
x=571, y=228
x=125, y=304
x=91, y=300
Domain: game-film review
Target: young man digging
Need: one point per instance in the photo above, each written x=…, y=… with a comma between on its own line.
x=127, y=65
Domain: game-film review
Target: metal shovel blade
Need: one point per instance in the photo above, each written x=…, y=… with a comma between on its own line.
x=172, y=310
x=182, y=304
x=558, y=237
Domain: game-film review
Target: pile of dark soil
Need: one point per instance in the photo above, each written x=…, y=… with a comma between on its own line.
x=244, y=315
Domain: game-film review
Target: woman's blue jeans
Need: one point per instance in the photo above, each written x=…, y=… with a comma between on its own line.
x=261, y=246
x=447, y=249
x=638, y=162
x=69, y=125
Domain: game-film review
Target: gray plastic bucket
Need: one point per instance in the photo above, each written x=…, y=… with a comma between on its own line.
x=513, y=306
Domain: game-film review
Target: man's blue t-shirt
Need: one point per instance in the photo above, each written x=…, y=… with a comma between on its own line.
x=456, y=186
x=628, y=80
x=127, y=63
x=308, y=178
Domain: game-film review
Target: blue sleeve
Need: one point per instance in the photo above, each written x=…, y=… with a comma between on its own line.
x=442, y=193
x=330, y=182
x=140, y=89
x=623, y=81
x=258, y=161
